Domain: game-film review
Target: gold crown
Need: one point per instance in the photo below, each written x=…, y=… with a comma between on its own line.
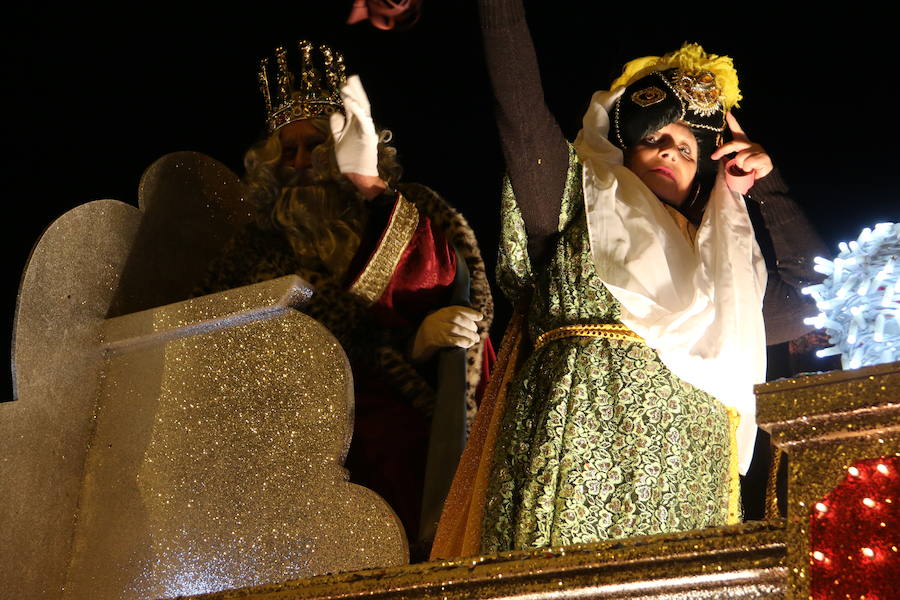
x=314, y=93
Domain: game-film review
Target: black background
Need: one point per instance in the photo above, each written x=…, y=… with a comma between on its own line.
x=93, y=96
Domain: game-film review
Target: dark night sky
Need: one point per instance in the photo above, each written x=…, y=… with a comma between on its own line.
x=94, y=97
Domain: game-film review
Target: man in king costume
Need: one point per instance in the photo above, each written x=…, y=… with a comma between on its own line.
x=397, y=276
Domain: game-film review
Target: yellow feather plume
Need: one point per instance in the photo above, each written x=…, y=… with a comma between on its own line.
x=691, y=58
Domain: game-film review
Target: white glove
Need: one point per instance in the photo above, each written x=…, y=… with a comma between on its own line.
x=449, y=326
x=355, y=138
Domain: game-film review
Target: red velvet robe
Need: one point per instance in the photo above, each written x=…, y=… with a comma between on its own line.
x=405, y=274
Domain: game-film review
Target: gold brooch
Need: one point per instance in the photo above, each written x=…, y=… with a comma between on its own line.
x=699, y=90
x=648, y=96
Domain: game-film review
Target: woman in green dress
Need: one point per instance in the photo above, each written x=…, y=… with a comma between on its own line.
x=633, y=407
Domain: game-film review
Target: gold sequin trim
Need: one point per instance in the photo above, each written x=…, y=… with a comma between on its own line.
x=772, y=511
x=734, y=477
x=611, y=331
x=370, y=284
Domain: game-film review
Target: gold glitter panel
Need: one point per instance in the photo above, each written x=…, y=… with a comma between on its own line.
x=826, y=394
x=733, y=563
x=826, y=423
x=191, y=206
x=66, y=290
x=217, y=457
x=206, y=313
x=100, y=257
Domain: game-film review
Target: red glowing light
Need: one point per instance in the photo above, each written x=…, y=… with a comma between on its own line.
x=855, y=534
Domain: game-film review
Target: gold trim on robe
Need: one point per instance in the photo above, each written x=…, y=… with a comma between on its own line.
x=372, y=281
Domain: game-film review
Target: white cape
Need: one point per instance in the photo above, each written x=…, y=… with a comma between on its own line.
x=699, y=306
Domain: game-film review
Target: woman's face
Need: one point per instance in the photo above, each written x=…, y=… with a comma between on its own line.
x=666, y=161
x=298, y=139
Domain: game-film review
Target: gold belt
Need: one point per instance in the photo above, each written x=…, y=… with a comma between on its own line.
x=612, y=331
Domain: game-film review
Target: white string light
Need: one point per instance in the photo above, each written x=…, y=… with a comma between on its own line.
x=860, y=298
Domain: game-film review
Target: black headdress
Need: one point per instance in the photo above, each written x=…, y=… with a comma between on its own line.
x=687, y=93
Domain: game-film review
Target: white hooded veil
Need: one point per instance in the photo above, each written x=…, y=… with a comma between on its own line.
x=698, y=305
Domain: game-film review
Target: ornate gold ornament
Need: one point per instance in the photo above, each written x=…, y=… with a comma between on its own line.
x=311, y=92
x=698, y=90
x=648, y=96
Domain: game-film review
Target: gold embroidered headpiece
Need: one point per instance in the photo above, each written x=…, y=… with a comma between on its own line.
x=311, y=91
x=687, y=85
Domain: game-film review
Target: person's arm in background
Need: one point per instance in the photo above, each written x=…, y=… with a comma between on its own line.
x=787, y=239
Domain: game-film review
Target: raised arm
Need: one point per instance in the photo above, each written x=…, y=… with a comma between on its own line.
x=533, y=144
x=789, y=243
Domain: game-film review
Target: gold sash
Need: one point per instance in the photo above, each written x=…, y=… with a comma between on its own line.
x=372, y=281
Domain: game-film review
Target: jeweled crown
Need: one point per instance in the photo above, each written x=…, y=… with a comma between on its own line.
x=311, y=91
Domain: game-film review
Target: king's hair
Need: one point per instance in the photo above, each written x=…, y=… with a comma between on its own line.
x=323, y=220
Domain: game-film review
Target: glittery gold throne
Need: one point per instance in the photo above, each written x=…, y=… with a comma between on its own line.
x=182, y=447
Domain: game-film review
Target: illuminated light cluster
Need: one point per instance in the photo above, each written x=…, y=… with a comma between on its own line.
x=854, y=533
x=859, y=301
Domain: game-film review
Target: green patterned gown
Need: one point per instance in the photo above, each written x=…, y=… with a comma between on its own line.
x=599, y=439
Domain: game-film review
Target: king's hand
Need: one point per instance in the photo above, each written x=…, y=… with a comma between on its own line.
x=355, y=138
